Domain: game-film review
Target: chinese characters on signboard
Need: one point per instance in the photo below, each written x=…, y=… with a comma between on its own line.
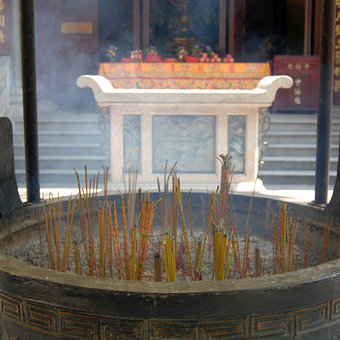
x=336, y=84
x=297, y=88
x=303, y=95
x=76, y=27
x=5, y=46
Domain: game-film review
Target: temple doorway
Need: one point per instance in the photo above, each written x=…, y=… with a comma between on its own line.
x=251, y=30
x=66, y=48
x=164, y=24
x=73, y=36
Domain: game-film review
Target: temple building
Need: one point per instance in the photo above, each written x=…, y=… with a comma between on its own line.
x=75, y=37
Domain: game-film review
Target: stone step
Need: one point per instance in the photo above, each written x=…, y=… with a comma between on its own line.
x=64, y=136
x=295, y=137
x=284, y=177
x=65, y=149
x=55, y=161
x=52, y=178
x=293, y=163
x=296, y=149
x=294, y=126
x=62, y=121
x=60, y=125
x=290, y=155
x=67, y=141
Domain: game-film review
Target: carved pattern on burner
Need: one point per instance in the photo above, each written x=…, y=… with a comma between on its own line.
x=11, y=307
x=78, y=326
x=40, y=318
x=224, y=329
x=308, y=319
x=335, y=309
x=165, y=329
x=65, y=323
x=130, y=329
x=279, y=325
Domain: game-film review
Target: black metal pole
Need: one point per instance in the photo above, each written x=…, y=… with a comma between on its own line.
x=325, y=101
x=29, y=100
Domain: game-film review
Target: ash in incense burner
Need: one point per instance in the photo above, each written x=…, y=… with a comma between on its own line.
x=195, y=236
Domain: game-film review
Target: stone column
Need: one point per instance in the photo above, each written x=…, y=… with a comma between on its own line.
x=15, y=89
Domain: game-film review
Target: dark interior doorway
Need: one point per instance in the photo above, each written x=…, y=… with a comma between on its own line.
x=265, y=29
x=115, y=27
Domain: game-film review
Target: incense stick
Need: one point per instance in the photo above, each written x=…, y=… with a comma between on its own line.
x=185, y=233
x=207, y=231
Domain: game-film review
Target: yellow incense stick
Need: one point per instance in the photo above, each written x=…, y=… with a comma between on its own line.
x=185, y=233
x=207, y=231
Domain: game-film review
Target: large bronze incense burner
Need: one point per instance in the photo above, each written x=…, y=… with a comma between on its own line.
x=38, y=303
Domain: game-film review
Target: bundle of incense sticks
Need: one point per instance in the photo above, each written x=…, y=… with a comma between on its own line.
x=126, y=247
x=109, y=236
x=132, y=269
x=175, y=205
x=163, y=197
x=185, y=232
x=131, y=192
x=198, y=247
x=275, y=241
x=116, y=243
x=59, y=256
x=237, y=256
x=189, y=212
x=49, y=234
x=200, y=260
x=87, y=207
x=224, y=249
x=169, y=255
x=292, y=228
x=279, y=242
x=168, y=212
x=284, y=237
x=227, y=173
x=104, y=240
x=135, y=259
x=245, y=263
x=146, y=221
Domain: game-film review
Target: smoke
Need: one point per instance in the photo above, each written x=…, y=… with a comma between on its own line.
x=70, y=139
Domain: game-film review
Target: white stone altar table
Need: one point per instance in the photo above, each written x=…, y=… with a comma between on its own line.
x=192, y=127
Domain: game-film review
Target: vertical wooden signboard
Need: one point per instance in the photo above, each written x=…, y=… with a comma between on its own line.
x=5, y=39
x=304, y=94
